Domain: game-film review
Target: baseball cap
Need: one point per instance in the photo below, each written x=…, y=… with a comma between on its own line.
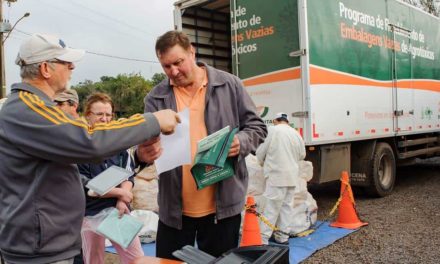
x=42, y=47
x=282, y=115
x=67, y=95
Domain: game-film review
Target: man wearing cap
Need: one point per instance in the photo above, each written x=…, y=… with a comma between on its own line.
x=280, y=154
x=68, y=101
x=41, y=195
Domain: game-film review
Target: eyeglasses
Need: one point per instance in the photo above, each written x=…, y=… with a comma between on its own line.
x=101, y=114
x=60, y=62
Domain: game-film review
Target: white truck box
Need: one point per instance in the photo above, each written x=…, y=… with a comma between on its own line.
x=360, y=79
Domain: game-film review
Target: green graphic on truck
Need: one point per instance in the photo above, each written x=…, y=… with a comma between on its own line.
x=258, y=35
x=358, y=38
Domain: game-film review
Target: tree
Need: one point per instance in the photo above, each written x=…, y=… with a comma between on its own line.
x=126, y=90
x=157, y=78
x=430, y=6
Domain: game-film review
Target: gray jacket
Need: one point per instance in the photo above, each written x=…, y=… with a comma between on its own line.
x=41, y=195
x=227, y=103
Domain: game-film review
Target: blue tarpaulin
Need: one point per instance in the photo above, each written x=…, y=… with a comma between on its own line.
x=300, y=248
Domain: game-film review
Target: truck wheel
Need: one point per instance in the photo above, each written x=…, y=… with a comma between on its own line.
x=383, y=171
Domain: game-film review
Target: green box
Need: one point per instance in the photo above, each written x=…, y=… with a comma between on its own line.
x=213, y=164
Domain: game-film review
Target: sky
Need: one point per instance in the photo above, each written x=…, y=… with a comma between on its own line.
x=121, y=28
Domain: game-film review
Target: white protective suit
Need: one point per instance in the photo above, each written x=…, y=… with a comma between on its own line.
x=280, y=154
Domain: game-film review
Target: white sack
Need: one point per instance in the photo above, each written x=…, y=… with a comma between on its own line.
x=149, y=230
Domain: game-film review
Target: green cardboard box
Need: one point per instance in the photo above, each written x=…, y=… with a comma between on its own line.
x=211, y=163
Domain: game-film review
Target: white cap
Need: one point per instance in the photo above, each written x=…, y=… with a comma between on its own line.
x=281, y=115
x=41, y=47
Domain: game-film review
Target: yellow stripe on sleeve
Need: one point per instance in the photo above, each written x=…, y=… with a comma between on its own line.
x=58, y=117
x=36, y=107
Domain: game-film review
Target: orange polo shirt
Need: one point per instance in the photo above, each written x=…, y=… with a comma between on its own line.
x=196, y=203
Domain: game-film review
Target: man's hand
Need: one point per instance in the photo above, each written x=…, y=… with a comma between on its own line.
x=168, y=120
x=235, y=147
x=150, y=150
x=122, y=208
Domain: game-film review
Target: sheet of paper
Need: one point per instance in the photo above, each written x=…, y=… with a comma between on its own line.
x=176, y=147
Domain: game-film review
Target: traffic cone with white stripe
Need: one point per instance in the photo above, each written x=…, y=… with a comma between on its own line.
x=347, y=216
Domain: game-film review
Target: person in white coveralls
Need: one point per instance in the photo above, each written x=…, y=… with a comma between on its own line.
x=279, y=155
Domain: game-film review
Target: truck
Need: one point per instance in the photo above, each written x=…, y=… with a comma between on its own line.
x=360, y=80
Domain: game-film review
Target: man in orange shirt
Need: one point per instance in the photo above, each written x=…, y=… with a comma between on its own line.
x=210, y=216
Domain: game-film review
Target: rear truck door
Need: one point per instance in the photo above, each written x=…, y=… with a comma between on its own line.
x=401, y=66
x=266, y=55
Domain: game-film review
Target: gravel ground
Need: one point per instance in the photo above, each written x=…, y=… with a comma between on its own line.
x=403, y=227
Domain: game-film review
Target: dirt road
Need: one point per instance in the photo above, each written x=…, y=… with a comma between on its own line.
x=403, y=227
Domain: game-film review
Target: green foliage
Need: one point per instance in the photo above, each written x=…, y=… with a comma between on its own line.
x=430, y=6
x=157, y=78
x=126, y=90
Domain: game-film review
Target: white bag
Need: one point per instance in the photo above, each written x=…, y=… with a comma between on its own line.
x=149, y=230
x=305, y=209
x=305, y=170
x=257, y=182
x=305, y=212
x=145, y=194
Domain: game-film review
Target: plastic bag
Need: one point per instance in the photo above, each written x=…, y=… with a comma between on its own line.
x=107, y=223
x=145, y=194
x=150, y=221
x=305, y=170
x=95, y=220
x=305, y=209
x=257, y=182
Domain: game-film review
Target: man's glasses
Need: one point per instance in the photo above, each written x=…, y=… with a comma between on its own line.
x=60, y=62
x=101, y=114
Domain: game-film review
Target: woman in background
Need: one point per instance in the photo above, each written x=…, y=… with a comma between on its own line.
x=99, y=109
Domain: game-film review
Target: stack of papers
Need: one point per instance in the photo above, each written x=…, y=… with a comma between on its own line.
x=108, y=179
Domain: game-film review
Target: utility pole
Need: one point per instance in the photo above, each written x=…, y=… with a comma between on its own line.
x=5, y=27
x=2, y=57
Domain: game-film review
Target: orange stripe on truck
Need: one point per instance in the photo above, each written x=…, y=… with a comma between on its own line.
x=323, y=76
x=280, y=76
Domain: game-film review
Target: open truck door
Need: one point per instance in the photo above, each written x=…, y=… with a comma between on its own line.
x=266, y=55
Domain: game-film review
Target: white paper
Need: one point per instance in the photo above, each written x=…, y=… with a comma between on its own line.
x=176, y=147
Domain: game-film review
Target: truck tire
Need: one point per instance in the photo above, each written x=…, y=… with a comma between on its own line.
x=383, y=171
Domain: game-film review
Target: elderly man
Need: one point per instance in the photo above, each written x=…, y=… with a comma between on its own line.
x=210, y=216
x=280, y=155
x=68, y=101
x=41, y=195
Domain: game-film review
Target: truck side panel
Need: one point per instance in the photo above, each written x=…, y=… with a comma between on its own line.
x=374, y=70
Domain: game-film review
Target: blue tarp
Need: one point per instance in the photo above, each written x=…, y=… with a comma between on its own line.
x=300, y=248
x=303, y=247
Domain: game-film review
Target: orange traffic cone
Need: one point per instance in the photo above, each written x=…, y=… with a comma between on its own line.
x=347, y=216
x=251, y=230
